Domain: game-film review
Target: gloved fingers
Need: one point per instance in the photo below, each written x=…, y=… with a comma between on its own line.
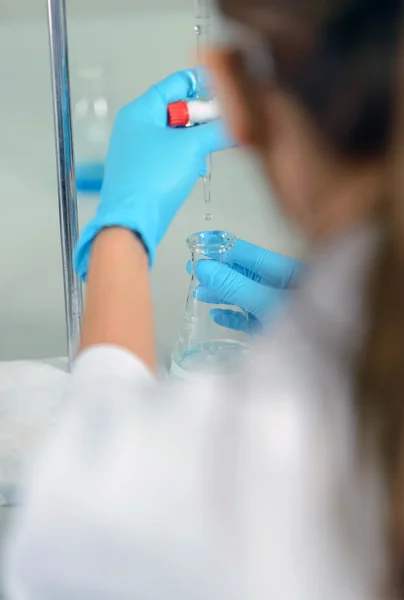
x=231, y=319
x=184, y=85
x=242, y=270
x=256, y=327
x=246, y=272
x=233, y=288
x=237, y=321
x=189, y=267
x=280, y=271
x=277, y=270
x=212, y=137
x=207, y=296
x=179, y=86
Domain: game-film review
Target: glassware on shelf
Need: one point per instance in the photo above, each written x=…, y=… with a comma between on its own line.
x=203, y=345
x=91, y=127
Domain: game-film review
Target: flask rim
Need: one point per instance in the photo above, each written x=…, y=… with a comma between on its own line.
x=206, y=243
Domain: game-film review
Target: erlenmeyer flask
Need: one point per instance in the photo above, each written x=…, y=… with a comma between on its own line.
x=214, y=338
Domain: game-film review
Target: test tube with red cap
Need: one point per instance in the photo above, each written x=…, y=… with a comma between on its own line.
x=193, y=112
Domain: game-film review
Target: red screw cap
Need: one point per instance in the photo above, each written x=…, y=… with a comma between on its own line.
x=178, y=114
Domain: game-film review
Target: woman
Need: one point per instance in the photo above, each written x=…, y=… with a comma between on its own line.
x=285, y=483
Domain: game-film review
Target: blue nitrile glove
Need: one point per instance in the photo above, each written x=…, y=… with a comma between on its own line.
x=151, y=168
x=252, y=278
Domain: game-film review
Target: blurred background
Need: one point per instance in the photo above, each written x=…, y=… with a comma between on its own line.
x=132, y=44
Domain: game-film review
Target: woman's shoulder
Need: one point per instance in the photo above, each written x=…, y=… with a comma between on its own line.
x=310, y=353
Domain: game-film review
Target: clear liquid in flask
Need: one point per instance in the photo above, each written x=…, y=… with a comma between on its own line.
x=207, y=344
x=216, y=357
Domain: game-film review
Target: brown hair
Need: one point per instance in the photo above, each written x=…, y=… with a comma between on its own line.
x=348, y=49
x=380, y=395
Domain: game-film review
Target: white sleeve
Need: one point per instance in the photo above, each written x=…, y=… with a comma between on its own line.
x=119, y=507
x=156, y=492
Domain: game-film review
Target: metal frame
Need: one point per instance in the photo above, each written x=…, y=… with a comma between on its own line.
x=68, y=213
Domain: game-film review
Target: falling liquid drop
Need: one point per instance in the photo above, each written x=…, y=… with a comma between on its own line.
x=208, y=217
x=197, y=30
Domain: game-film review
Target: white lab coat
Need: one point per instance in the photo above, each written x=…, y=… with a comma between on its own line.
x=246, y=488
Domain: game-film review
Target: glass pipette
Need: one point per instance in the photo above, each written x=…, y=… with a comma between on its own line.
x=202, y=31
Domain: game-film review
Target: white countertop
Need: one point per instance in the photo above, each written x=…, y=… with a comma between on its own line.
x=31, y=401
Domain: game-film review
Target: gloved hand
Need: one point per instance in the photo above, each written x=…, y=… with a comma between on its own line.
x=150, y=168
x=250, y=277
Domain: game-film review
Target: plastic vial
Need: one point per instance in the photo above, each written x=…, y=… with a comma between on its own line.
x=188, y=113
x=91, y=128
x=215, y=337
x=193, y=112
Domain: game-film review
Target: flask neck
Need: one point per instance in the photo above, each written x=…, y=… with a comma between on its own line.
x=210, y=244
